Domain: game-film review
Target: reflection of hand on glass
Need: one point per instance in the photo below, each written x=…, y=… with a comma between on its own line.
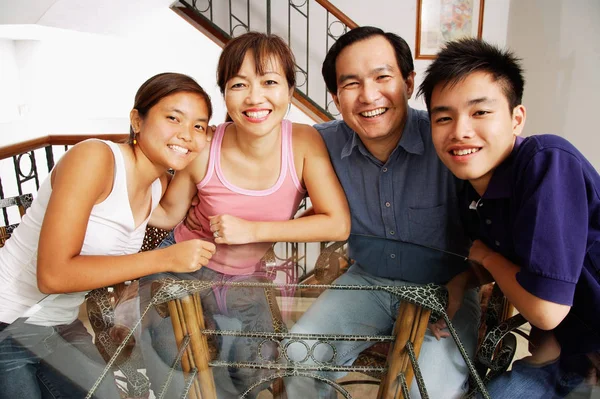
x=475, y=276
x=456, y=292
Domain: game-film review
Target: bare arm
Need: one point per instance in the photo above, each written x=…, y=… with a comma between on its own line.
x=176, y=201
x=543, y=314
x=331, y=218
x=60, y=267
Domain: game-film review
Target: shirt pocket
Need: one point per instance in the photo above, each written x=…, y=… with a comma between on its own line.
x=428, y=226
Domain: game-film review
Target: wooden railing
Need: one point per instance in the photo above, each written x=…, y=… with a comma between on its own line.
x=51, y=140
x=27, y=157
x=333, y=10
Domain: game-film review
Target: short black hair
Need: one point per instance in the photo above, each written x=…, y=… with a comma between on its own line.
x=401, y=48
x=460, y=58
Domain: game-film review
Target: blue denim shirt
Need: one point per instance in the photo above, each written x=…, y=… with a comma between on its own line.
x=541, y=211
x=412, y=197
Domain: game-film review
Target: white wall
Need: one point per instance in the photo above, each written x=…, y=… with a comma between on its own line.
x=559, y=42
x=9, y=82
x=70, y=82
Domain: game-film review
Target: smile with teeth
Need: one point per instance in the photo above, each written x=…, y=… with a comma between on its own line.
x=257, y=114
x=178, y=149
x=374, y=112
x=465, y=151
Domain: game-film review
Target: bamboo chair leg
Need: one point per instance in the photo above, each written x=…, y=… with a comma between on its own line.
x=188, y=319
x=180, y=331
x=411, y=324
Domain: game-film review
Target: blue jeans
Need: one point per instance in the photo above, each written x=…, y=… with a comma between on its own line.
x=374, y=313
x=550, y=381
x=226, y=308
x=50, y=362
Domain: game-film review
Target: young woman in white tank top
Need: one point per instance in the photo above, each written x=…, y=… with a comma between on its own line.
x=84, y=231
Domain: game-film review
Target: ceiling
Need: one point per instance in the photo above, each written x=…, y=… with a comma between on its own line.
x=113, y=17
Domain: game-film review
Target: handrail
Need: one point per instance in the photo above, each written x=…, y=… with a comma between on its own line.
x=54, y=139
x=337, y=13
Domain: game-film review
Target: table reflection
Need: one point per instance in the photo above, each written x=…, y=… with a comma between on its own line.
x=206, y=335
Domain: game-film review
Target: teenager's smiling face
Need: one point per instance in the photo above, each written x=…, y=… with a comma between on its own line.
x=472, y=127
x=372, y=95
x=174, y=130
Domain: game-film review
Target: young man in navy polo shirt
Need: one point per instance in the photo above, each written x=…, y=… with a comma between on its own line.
x=533, y=208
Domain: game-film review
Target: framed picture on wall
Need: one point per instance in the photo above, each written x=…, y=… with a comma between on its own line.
x=440, y=21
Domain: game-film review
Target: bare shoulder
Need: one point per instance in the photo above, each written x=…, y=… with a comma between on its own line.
x=89, y=156
x=306, y=134
x=88, y=166
x=306, y=137
x=199, y=165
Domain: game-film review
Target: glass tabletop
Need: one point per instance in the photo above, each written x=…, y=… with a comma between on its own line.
x=234, y=335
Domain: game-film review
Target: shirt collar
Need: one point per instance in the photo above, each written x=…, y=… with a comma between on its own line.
x=501, y=183
x=411, y=140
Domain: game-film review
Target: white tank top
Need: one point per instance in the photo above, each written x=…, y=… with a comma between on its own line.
x=110, y=231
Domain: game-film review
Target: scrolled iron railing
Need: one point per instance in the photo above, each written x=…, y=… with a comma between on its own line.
x=27, y=159
x=310, y=27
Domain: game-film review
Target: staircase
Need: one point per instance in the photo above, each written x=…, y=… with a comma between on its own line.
x=309, y=26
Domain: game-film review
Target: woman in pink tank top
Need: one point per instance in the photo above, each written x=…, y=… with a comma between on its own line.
x=249, y=184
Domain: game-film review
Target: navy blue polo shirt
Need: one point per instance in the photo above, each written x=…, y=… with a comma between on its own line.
x=541, y=210
x=411, y=197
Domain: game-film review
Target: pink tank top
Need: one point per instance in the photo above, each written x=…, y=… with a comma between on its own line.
x=218, y=196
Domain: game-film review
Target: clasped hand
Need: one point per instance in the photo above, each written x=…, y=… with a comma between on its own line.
x=229, y=229
x=459, y=284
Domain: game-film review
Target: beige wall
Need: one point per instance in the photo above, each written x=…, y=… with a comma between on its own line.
x=559, y=41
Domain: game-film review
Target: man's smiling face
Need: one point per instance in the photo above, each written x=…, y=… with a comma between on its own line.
x=372, y=95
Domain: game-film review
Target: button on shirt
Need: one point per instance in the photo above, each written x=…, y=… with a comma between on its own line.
x=541, y=211
x=411, y=197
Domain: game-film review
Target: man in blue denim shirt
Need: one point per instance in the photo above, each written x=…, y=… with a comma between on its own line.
x=396, y=188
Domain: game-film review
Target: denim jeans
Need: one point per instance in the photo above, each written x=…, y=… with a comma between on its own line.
x=50, y=362
x=225, y=308
x=550, y=381
x=374, y=313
